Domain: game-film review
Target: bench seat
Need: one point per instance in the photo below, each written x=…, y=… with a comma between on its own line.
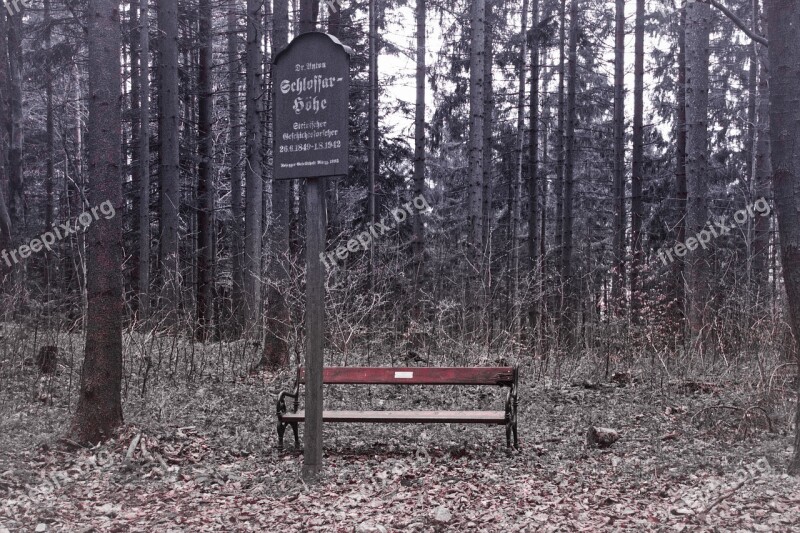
x=419, y=417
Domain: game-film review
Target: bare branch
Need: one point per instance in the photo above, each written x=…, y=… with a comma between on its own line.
x=738, y=22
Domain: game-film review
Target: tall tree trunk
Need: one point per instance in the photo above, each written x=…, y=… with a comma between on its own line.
x=678, y=267
x=418, y=247
x=559, y=184
x=637, y=168
x=188, y=160
x=16, y=185
x=99, y=409
x=372, y=120
x=569, y=322
x=476, y=148
x=135, y=119
x=143, y=164
x=205, y=184
x=533, y=176
x=6, y=238
x=783, y=21
x=516, y=214
x=545, y=181
x=763, y=166
x=49, y=142
x=169, y=157
x=752, y=87
x=76, y=188
x=698, y=262
x=276, y=346
x=253, y=179
x=235, y=165
x=49, y=125
x=485, y=263
x=332, y=183
x=618, y=190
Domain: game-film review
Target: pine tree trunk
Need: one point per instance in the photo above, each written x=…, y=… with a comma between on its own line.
x=235, y=164
x=49, y=145
x=487, y=183
x=533, y=177
x=570, y=287
x=169, y=157
x=276, y=346
x=16, y=185
x=678, y=266
x=637, y=170
x=99, y=409
x=559, y=183
x=143, y=164
x=6, y=238
x=763, y=168
x=372, y=134
x=476, y=148
x=253, y=178
x=618, y=191
x=516, y=213
x=332, y=183
x=783, y=21
x=205, y=184
x=698, y=261
x=418, y=247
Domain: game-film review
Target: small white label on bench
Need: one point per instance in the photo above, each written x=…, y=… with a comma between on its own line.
x=403, y=375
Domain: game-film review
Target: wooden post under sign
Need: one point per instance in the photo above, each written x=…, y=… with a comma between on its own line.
x=311, y=93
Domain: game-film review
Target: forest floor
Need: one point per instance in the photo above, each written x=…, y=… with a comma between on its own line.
x=201, y=456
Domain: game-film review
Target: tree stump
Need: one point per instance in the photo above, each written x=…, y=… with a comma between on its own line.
x=47, y=359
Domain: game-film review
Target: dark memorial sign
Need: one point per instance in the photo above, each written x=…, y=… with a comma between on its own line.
x=310, y=90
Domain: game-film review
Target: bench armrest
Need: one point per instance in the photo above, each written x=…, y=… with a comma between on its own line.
x=281, y=406
x=511, y=398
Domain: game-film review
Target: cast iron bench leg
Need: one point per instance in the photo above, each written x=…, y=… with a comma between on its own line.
x=296, y=437
x=281, y=431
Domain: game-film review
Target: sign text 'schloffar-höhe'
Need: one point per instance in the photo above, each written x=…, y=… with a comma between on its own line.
x=312, y=83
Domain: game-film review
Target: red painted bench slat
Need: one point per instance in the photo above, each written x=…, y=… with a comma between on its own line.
x=456, y=417
x=416, y=376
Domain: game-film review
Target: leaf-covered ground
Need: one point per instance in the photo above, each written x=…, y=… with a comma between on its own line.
x=202, y=457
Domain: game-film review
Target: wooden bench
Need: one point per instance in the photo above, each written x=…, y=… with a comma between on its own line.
x=502, y=376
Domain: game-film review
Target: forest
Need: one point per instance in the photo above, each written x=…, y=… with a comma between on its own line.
x=302, y=265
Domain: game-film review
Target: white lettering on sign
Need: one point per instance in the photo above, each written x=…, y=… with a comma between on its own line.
x=313, y=84
x=403, y=375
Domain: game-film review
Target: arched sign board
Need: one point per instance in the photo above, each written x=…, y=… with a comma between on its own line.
x=310, y=94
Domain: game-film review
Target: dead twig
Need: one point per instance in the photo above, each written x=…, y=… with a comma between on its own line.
x=723, y=497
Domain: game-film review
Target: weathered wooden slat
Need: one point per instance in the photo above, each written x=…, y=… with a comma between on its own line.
x=416, y=375
x=462, y=417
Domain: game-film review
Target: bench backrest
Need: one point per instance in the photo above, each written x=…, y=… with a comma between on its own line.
x=501, y=375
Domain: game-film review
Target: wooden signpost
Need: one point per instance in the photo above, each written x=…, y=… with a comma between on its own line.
x=310, y=95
